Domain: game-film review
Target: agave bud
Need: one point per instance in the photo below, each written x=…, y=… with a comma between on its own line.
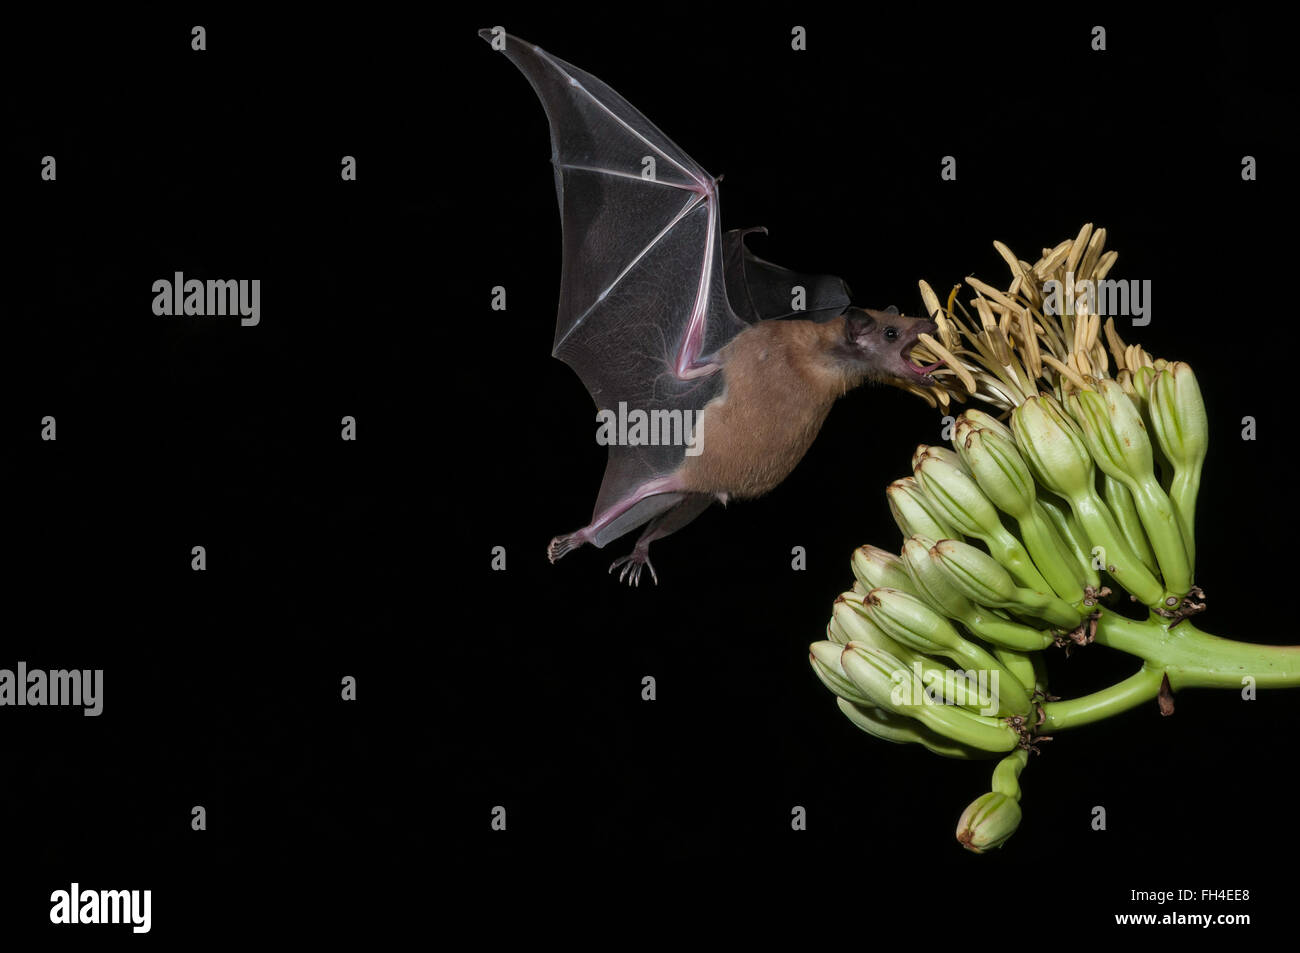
x=1178, y=415
x=1003, y=475
x=975, y=574
x=915, y=513
x=1142, y=379
x=851, y=624
x=919, y=629
x=875, y=674
x=1052, y=447
x=984, y=421
x=929, y=582
x=988, y=822
x=957, y=496
x=1000, y=471
x=1059, y=461
x=935, y=586
x=884, y=679
x=911, y=622
x=825, y=660
x=978, y=577
x=1182, y=429
x=964, y=506
x=1113, y=430
x=877, y=568
x=900, y=729
x=943, y=453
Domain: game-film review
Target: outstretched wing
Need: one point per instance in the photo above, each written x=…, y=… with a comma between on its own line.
x=761, y=291
x=643, y=304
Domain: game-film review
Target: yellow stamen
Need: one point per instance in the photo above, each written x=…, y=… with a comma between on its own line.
x=1066, y=371
x=1116, y=344
x=1029, y=345
x=1077, y=249
x=1104, y=265
x=1052, y=258
x=1091, y=255
x=950, y=359
x=990, y=291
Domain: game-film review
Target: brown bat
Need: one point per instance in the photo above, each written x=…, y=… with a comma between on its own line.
x=678, y=327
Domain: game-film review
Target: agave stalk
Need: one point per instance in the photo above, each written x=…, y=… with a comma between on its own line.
x=1094, y=454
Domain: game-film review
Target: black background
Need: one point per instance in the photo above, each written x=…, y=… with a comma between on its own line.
x=522, y=688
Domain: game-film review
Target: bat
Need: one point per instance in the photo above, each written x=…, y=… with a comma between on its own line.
x=669, y=320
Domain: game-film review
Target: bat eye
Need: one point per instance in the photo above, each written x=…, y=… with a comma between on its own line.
x=891, y=334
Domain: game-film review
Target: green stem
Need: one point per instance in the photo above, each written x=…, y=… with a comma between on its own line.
x=1006, y=776
x=1189, y=657
x=1196, y=659
x=1098, y=706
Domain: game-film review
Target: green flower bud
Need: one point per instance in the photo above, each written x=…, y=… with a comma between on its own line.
x=889, y=684
x=929, y=582
x=875, y=673
x=942, y=453
x=988, y=822
x=958, y=496
x=1052, y=446
x=1178, y=416
x=1112, y=430
x=1059, y=460
x=911, y=622
x=915, y=513
x=935, y=586
x=900, y=729
x=975, y=574
x=851, y=624
x=1182, y=430
x=877, y=568
x=1000, y=471
x=978, y=576
x=980, y=420
x=1142, y=379
x=825, y=660
x=919, y=629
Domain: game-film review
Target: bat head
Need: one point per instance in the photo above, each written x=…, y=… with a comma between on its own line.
x=882, y=342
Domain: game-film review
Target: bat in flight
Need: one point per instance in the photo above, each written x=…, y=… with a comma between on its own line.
x=671, y=321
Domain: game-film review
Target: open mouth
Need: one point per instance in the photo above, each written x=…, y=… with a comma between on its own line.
x=923, y=371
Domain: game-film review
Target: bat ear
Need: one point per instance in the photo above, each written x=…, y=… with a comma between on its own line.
x=891, y=310
x=856, y=323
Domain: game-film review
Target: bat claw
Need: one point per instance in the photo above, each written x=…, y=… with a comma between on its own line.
x=632, y=564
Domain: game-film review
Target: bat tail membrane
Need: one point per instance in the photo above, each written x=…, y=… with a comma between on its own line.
x=758, y=290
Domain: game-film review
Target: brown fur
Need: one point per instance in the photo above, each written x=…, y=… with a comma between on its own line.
x=781, y=379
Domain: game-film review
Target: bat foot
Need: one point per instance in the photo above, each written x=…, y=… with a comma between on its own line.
x=632, y=564
x=563, y=545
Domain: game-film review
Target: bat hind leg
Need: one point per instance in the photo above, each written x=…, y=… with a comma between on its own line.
x=649, y=499
x=662, y=525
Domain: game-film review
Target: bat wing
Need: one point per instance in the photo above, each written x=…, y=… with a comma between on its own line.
x=643, y=299
x=760, y=291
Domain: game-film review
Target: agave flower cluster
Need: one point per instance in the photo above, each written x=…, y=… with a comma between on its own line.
x=1033, y=530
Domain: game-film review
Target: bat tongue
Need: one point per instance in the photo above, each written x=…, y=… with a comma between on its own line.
x=919, y=369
